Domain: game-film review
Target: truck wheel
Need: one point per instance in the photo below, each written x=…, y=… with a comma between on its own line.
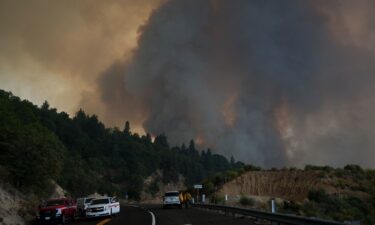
x=63, y=220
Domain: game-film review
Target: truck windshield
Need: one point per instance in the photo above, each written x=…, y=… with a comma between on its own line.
x=100, y=201
x=55, y=202
x=88, y=200
x=171, y=194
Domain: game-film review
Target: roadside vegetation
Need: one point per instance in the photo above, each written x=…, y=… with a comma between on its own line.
x=245, y=201
x=353, y=200
x=342, y=194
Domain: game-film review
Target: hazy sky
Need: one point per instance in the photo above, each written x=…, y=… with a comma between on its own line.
x=56, y=50
x=272, y=83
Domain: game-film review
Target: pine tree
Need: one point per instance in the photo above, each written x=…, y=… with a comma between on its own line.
x=232, y=161
x=127, y=128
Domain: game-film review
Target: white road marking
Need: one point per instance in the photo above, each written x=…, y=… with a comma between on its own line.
x=151, y=213
x=153, y=218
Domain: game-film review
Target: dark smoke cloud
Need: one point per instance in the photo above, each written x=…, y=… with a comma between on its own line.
x=271, y=82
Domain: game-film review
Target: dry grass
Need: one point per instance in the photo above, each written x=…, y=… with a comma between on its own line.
x=291, y=185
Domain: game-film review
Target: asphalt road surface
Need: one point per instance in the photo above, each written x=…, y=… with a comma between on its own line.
x=131, y=215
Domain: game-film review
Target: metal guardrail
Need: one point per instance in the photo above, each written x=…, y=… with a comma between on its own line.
x=273, y=217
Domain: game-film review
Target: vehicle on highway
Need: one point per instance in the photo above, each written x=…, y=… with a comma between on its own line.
x=171, y=198
x=57, y=211
x=106, y=206
x=185, y=198
x=82, y=204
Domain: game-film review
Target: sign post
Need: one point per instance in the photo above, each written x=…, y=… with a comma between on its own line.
x=197, y=187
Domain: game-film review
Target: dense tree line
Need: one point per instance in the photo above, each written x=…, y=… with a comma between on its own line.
x=39, y=144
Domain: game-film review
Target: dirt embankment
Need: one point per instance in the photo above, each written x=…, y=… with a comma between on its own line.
x=154, y=188
x=11, y=206
x=19, y=209
x=291, y=185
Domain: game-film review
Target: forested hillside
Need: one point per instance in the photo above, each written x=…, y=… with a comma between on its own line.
x=39, y=144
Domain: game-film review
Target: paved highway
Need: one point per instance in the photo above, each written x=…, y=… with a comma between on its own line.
x=141, y=216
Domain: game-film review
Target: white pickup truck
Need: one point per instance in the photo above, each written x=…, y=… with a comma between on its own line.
x=106, y=206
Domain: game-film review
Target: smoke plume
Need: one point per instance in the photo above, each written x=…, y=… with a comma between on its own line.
x=272, y=83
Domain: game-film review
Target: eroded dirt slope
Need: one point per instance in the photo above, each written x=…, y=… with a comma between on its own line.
x=292, y=185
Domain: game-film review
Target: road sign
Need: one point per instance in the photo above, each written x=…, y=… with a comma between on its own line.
x=198, y=186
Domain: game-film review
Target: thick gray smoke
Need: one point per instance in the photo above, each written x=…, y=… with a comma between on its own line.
x=272, y=83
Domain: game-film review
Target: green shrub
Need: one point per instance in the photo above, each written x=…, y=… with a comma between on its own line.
x=340, y=184
x=311, y=167
x=208, y=188
x=291, y=206
x=252, y=168
x=230, y=175
x=340, y=173
x=215, y=199
x=245, y=201
x=318, y=196
x=354, y=168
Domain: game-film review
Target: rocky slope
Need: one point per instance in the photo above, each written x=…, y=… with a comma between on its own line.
x=17, y=208
x=154, y=188
x=12, y=206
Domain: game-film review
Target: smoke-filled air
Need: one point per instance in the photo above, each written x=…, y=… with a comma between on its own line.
x=272, y=83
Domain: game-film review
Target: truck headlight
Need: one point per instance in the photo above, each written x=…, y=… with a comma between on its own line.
x=58, y=212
